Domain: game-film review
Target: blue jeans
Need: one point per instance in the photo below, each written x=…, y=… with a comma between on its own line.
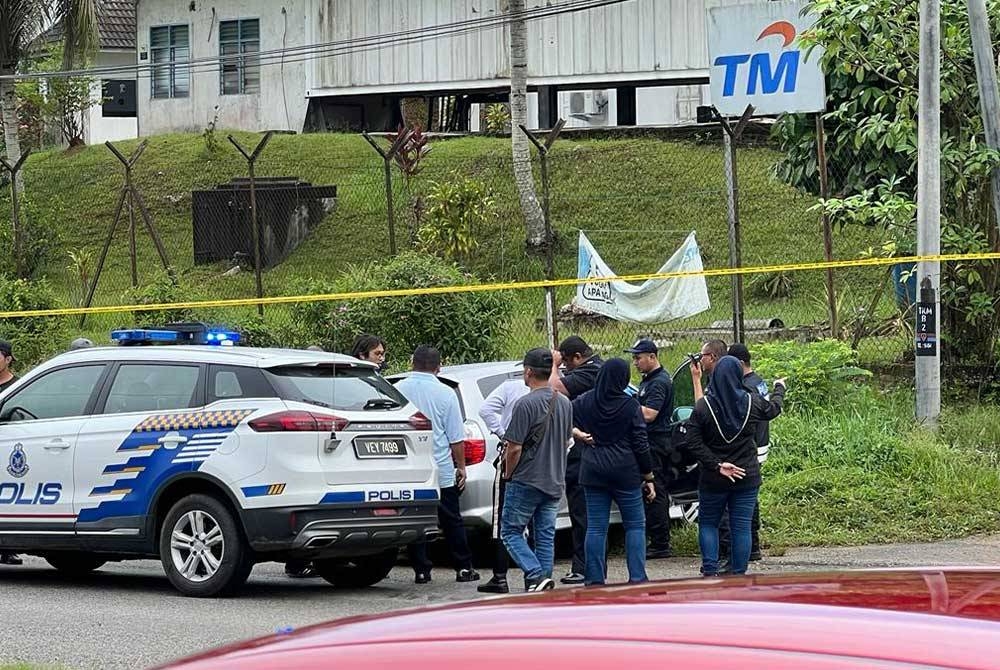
x=711, y=505
x=629, y=502
x=524, y=504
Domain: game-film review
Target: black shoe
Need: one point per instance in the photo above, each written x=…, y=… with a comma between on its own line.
x=300, y=571
x=466, y=575
x=725, y=568
x=422, y=578
x=756, y=555
x=11, y=559
x=495, y=585
x=535, y=585
x=573, y=578
x=653, y=554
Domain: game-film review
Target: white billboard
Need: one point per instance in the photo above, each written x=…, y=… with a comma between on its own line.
x=756, y=60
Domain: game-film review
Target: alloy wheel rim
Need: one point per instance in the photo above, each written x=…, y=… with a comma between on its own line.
x=197, y=546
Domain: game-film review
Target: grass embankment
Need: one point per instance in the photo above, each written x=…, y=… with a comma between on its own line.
x=636, y=199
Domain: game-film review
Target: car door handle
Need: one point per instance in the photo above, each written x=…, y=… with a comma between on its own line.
x=57, y=444
x=172, y=440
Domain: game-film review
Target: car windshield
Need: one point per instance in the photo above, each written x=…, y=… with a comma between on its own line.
x=340, y=387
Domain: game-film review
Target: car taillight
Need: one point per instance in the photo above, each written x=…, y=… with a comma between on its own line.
x=298, y=422
x=420, y=422
x=475, y=443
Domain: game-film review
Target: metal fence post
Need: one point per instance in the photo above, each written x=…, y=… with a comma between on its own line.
x=15, y=208
x=387, y=158
x=731, y=136
x=550, y=292
x=251, y=159
x=824, y=193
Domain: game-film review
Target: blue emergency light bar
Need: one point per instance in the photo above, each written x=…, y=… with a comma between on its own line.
x=179, y=334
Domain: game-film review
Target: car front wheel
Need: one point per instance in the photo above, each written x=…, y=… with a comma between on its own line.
x=202, y=548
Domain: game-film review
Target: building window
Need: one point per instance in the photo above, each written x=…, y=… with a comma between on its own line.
x=170, y=49
x=239, y=49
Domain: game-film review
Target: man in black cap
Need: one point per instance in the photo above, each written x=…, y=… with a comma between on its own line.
x=7, y=377
x=582, y=366
x=656, y=396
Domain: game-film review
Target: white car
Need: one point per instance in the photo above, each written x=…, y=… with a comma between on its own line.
x=473, y=383
x=212, y=459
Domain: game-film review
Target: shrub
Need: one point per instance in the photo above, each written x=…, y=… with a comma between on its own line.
x=161, y=290
x=773, y=285
x=456, y=210
x=817, y=372
x=39, y=241
x=34, y=338
x=466, y=327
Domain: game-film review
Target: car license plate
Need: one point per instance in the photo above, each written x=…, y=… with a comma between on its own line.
x=379, y=447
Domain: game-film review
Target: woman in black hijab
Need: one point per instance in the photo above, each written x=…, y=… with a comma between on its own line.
x=721, y=434
x=615, y=465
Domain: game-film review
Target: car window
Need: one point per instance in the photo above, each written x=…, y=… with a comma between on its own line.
x=58, y=394
x=335, y=386
x=227, y=382
x=683, y=387
x=489, y=384
x=151, y=388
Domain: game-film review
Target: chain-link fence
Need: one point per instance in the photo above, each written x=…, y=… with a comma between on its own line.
x=320, y=208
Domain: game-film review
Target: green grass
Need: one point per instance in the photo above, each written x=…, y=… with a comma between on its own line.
x=636, y=199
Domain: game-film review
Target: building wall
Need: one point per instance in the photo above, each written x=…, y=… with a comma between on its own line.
x=97, y=128
x=643, y=40
x=280, y=104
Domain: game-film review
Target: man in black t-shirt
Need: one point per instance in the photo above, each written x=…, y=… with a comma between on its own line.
x=7, y=377
x=656, y=396
x=582, y=366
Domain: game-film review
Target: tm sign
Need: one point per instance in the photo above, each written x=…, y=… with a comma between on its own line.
x=756, y=60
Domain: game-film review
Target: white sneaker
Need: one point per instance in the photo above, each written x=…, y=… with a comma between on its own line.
x=545, y=585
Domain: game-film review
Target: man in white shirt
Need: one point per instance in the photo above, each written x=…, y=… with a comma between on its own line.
x=495, y=413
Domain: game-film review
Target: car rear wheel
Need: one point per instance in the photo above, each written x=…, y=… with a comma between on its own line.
x=202, y=548
x=74, y=563
x=359, y=572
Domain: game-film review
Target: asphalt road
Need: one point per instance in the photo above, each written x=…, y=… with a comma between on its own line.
x=128, y=616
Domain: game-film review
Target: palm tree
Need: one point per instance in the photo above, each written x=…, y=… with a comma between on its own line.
x=534, y=220
x=21, y=22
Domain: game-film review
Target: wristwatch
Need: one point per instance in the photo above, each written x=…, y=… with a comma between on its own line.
x=649, y=480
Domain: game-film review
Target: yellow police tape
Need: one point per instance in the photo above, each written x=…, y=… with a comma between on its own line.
x=505, y=286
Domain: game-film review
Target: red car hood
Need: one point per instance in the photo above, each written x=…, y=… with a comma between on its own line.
x=947, y=617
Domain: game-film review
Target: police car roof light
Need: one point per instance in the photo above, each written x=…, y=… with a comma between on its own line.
x=138, y=336
x=185, y=333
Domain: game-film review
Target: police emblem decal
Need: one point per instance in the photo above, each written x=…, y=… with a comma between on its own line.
x=18, y=466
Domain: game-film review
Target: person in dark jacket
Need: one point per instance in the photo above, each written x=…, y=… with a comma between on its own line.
x=616, y=465
x=722, y=435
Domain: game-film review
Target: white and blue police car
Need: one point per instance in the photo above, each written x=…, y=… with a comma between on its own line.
x=212, y=459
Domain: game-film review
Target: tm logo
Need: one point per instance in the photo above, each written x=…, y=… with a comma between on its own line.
x=770, y=79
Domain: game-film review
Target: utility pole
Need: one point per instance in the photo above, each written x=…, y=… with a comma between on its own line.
x=989, y=97
x=928, y=327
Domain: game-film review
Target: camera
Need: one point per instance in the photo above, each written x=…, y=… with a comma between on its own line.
x=694, y=358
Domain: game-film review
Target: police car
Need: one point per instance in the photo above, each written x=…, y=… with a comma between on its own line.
x=212, y=459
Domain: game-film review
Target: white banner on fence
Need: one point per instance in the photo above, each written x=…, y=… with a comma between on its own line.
x=653, y=301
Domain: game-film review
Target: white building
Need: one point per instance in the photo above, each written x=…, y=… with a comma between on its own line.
x=113, y=115
x=638, y=62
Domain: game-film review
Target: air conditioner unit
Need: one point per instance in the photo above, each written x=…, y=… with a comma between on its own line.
x=588, y=105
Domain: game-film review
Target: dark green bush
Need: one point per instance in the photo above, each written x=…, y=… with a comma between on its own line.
x=34, y=338
x=466, y=327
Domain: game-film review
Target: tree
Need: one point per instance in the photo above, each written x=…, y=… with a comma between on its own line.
x=21, y=22
x=871, y=56
x=58, y=103
x=534, y=219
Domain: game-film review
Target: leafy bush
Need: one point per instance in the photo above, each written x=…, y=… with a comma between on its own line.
x=160, y=290
x=34, y=338
x=773, y=285
x=817, y=372
x=457, y=209
x=39, y=242
x=497, y=118
x=466, y=327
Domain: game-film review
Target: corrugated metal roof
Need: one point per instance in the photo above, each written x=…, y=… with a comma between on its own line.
x=115, y=25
